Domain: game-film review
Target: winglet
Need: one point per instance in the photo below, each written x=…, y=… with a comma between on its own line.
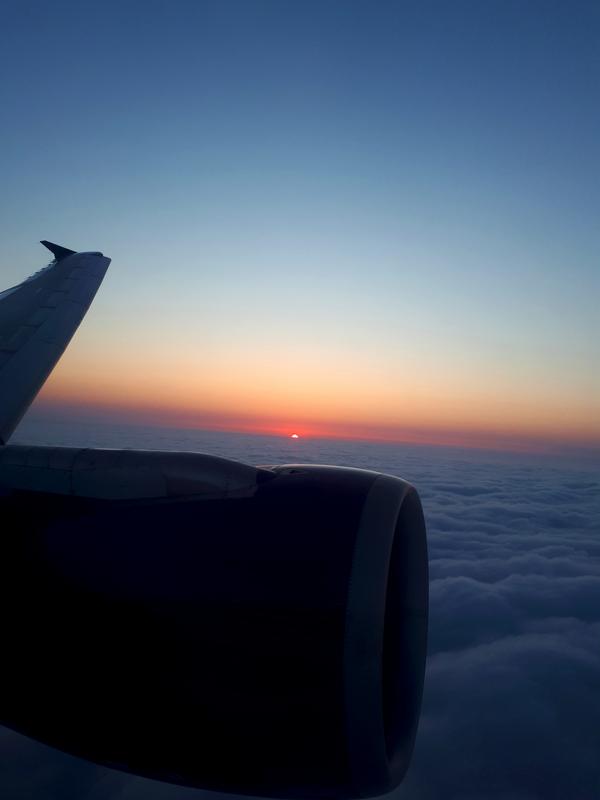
x=57, y=251
x=37, y=320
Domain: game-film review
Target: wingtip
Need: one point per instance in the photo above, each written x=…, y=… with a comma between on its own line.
x=57, y=251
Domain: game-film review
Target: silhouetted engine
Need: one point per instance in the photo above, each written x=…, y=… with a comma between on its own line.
x=251, y=630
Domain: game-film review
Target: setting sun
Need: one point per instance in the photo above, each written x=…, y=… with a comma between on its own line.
x=294, y=436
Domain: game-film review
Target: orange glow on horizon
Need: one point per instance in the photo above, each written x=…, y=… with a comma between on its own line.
x=321, y=397
x=516, y=440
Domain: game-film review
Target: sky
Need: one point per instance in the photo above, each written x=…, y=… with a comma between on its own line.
x=348, y=219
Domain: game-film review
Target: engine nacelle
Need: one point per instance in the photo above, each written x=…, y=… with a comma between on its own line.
x=251, y=630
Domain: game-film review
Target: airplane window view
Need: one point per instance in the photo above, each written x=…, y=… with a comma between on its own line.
x=300, y=472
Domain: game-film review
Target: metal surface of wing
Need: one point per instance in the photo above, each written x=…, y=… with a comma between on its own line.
x=37, y=321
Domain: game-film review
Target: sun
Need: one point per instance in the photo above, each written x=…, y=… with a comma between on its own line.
x=294, y=436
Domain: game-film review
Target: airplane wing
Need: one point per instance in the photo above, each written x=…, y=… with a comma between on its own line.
x=254, y=630
x=37, y=321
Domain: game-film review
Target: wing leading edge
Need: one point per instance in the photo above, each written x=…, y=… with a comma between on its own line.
x=37, y=321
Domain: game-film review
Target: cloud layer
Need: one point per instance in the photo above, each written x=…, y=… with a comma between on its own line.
x=512, y=696
x=512, y=704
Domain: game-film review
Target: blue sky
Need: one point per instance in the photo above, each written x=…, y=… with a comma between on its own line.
x=410, y=185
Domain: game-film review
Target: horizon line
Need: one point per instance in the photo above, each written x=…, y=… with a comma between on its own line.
x=494, y=441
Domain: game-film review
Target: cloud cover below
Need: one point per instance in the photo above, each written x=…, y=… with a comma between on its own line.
x=512, y=704
x=512, y=695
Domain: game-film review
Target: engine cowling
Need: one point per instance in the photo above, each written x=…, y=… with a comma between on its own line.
x=195, y=620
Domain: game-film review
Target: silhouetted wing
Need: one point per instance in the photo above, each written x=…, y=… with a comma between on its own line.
x=37, y=320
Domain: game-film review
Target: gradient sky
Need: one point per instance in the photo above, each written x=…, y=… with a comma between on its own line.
x=356, y=219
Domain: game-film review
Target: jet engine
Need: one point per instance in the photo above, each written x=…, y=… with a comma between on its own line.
x=255, y=630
